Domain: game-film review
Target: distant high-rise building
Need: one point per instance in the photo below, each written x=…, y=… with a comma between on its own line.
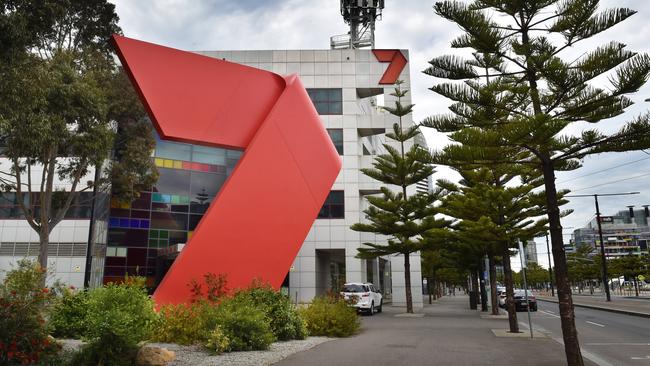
x=531, y=252
x=625, y=233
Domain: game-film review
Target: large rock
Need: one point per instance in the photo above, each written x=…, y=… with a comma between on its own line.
x=154, y=356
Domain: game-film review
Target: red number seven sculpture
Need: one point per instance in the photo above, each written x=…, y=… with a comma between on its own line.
x=262, y=214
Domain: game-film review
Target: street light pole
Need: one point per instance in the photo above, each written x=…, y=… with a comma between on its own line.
x=603, y=259
x=550, y=267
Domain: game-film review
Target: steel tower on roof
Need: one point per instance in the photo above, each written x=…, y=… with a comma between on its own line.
x=361, y=16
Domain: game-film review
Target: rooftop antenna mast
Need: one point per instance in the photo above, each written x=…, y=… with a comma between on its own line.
x=361, y=16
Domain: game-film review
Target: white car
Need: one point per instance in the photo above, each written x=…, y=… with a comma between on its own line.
x=501, y=295
x=363, y=296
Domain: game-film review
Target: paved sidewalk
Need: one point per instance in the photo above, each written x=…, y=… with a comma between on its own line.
x=624, y=305
x=448, y=334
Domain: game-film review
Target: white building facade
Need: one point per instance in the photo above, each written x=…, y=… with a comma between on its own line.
x=344, y=86
x=68, y=240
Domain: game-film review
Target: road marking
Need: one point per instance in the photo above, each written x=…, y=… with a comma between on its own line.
x=641, y=358
x=617, y=344
x=600, y=325
x=548, y=313
x=586, y=354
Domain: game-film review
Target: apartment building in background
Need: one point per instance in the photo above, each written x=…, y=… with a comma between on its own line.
x=625, y=233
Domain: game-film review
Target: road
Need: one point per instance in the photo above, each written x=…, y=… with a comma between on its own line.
x=449, y=333
x=608, y=338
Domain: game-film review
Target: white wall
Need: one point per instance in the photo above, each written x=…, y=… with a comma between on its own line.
x=67, y=268
x=348, y=70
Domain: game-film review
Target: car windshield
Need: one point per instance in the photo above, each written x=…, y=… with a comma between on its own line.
x=521, y=293
x=353, y=288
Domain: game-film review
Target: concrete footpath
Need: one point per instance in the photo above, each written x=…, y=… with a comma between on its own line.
x=448, y=333
x=624, y=305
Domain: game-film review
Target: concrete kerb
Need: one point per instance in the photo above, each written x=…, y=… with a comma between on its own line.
x=504, y=333
x=611, y=310
x=409, y=315
x=490, y=316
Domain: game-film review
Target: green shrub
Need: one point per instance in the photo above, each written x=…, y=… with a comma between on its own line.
x=217, y=341
x=67, y=316
x=23, y=302
x=118, y=317
x=284, y=319
x=245, y=325
x=331, y=317
x=185, y=324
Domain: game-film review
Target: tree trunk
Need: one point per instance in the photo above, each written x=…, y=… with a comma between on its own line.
x=493, y=286
x=407, y=283
x=472, y=291
x=481, y=281
x=567, y=316
x=636, y=287
x=44, y=241
x=510, y=292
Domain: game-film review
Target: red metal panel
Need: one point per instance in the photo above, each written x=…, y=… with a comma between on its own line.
x=199, y=99
x=258, y=221
x=397, y=63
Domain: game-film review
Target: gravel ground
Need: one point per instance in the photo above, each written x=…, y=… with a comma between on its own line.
x=196, y=356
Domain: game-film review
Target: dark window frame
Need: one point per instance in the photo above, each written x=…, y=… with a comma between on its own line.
x=339, y=147
x=327, y=101
x=334, y=206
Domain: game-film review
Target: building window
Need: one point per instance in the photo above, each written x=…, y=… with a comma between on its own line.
x=115, y=252
x=334, y=206
x=327, y=100
x=336, y=134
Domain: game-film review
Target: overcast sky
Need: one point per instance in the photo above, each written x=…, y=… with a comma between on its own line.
x=406, y=24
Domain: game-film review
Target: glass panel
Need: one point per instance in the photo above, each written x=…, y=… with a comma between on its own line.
x=337, y=139
x=317, y=94
x=337, y=212
x=334, y=207
x=204, y=187
x=172, y=181
x=336, y=197
x=322, y=107
x=170, y=221
x=335, y=108
x=173, y=150
x=335, y=95
x=194, y=220
x=142, y=202
x=209, y=155
x=176, y=237
x=140, y=214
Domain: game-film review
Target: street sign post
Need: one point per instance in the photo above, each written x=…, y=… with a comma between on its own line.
x=522, y=258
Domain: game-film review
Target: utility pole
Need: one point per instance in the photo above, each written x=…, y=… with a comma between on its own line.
x=550, y=267
x=603, y=259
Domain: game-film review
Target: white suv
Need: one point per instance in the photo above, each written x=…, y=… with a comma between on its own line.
x=363, y=296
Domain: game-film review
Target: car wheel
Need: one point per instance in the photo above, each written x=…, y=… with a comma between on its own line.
x=381, y=304
x=371, y=312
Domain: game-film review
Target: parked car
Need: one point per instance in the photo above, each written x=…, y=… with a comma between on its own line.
x=501, y=296
x=520, y=300
x=363, y=296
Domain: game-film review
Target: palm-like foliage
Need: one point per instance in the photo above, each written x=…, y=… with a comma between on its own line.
x=520, y=75
x=403, y=218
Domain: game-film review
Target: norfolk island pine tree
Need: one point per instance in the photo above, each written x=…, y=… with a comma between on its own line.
x=406, y=220
x=543, y=94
